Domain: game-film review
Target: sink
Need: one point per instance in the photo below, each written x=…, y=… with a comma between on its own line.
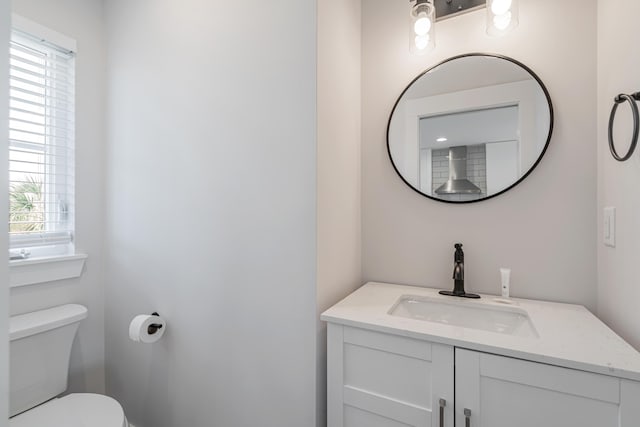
x=467, y=314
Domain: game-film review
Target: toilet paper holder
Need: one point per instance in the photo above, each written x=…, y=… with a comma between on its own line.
x=153, y=328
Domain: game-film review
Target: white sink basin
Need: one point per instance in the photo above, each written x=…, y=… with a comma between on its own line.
x=467, y=314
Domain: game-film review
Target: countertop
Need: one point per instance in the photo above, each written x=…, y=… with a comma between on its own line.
x=569, y=335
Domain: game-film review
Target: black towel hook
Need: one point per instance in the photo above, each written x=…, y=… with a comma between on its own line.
x=631, y=99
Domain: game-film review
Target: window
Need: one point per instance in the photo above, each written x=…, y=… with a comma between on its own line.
x=41, y=147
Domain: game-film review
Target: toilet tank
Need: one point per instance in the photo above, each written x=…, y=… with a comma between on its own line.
x=40, y=347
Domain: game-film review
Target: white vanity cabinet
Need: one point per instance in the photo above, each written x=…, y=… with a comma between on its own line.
x=377, y=379
x=393, y=368
x=383, y=380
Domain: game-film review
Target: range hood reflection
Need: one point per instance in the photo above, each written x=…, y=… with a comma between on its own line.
x=458, y=182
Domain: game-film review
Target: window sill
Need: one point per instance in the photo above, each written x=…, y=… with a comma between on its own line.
x=32, y=271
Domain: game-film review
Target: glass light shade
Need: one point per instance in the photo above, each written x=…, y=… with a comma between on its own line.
x=422, y=24
x=500, y=7
x=422, y=42
x=422, y=28
x=502, y=22
x=502, y=16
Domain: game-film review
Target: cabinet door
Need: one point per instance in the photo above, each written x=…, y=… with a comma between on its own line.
x=380, y=380
x=504, y=392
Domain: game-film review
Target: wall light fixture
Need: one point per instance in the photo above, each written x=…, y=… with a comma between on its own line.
x=422, y=33
x=502, y=17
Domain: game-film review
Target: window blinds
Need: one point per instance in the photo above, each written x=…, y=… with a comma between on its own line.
x=41, y=143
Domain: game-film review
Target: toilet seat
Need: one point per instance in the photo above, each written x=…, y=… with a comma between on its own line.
x=74, y=410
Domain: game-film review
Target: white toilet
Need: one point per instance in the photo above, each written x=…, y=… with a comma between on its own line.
x=40, y=350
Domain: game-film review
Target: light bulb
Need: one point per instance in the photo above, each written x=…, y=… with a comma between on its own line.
x=422, y=41
x=502, y=21
x=422, y=24
x=500, y=7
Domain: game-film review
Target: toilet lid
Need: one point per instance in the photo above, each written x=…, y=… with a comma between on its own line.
x=74, y=410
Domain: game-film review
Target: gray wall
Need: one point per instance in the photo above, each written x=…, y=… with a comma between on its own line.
x=212, y=211
x=618, y=72
x=545, y=228
x=339, y=130
x=5, y=23
x=81, y=20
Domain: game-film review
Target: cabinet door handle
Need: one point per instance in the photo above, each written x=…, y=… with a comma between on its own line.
x=443, y=403
x=467, y=417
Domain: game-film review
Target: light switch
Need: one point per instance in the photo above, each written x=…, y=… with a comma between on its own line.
x=610, y=226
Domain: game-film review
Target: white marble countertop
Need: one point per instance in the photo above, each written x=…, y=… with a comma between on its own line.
x=569, y=335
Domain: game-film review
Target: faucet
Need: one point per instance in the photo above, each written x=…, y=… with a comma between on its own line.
x=458, y=275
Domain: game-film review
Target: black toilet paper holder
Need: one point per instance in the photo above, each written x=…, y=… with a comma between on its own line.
x=153, y=328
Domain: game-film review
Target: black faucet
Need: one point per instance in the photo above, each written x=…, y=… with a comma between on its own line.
x=458, y=276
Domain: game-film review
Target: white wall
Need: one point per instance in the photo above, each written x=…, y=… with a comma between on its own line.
x=339, y=135
x=81, y=20
x=618, y=72
x=5, y=23
x=212, y=210
x=544, y=228
x=502, y=171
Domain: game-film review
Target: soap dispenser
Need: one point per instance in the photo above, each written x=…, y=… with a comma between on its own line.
x=505, y=274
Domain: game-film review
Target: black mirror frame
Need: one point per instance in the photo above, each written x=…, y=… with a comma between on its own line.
x=523, y=177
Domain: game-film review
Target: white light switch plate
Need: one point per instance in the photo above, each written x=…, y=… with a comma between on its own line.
x=609, y=226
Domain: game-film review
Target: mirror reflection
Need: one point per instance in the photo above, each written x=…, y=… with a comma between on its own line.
x=470, y=128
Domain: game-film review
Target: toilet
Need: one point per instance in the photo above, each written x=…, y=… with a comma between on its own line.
x=40, y=348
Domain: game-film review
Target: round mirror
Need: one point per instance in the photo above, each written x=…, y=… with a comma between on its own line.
x=470, y=128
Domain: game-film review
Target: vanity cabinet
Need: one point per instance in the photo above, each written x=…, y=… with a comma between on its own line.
x=385, y=380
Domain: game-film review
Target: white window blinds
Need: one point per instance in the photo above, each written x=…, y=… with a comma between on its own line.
x=41, y=145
